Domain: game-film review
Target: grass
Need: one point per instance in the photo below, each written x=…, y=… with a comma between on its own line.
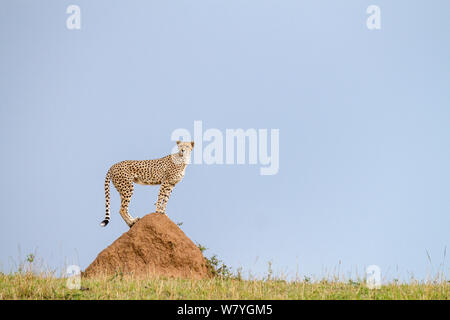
x=28, y=285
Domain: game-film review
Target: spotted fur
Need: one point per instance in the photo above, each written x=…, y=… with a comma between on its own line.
x=166, y=171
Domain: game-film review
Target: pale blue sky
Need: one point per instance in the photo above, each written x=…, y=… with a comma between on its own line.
x=364, y=119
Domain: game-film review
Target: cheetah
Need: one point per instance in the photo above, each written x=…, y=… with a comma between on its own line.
x=166, y=171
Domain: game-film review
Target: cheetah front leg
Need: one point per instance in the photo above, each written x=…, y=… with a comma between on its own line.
x=163, y=196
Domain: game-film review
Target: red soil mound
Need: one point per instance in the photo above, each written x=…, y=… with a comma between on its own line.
x=154, y=246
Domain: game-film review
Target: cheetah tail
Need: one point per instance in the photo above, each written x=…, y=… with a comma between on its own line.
x=107, y=198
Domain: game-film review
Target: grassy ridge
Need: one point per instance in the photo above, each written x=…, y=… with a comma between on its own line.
x=31, y=286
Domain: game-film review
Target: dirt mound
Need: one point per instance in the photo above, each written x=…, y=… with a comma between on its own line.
x=154, y=246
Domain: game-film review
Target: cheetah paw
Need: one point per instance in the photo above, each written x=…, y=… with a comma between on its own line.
x=134, y=221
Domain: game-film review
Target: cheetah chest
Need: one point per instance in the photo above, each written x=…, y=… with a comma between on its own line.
x=177, y=176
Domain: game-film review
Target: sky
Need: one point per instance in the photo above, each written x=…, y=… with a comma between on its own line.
x=363, y=118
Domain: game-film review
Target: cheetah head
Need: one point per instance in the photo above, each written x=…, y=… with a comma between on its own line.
x=185, y=149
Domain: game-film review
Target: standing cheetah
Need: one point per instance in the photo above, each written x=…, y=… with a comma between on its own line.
x=166, y=171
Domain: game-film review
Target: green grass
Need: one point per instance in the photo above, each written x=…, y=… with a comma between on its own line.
x=27, y=285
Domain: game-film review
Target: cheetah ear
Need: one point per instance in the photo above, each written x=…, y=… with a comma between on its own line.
x=192, y=144
x=178, y=142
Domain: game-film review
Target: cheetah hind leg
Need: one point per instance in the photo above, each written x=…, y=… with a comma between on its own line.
x=130, y=221
x=134, y=221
